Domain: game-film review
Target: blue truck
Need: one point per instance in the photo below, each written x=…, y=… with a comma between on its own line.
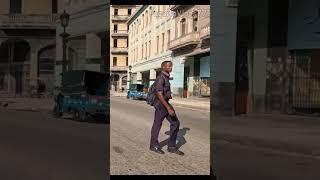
x=84, y=95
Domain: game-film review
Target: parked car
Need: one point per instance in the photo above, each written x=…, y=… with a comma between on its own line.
x=83, y=94
x=136, y=91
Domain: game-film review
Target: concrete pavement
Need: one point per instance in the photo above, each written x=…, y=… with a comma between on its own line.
x=35, y=146
x=28, y=104
x=289, y=133
x=193, y=102
x=131, y=122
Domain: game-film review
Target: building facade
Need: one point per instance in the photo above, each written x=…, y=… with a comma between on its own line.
x=27, y=44
x=190, y=46
x=267, y=58
x=87, y=43
x=149, y=37
x=119, y=15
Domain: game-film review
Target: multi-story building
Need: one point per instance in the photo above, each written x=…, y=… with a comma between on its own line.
x=149, y=37
x=87, y=43
x=267, y=58
x=119, y=15
x=190, y=46
x=27, y=44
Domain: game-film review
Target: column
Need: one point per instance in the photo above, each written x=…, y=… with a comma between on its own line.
x=58, y=62
x=33, y=63
x=153, y=76
x=178, y=76
x=223, y=59
x=93, y=52
x=260, y=55
x=139, y=77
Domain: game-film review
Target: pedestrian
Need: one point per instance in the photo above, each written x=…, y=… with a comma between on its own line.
x=163, y=109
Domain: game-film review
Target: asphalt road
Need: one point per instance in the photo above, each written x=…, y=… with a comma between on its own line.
x=35, y=146
x=236, y=161
x=131, y=122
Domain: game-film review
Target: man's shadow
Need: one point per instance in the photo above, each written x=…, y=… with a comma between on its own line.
x=180, y=138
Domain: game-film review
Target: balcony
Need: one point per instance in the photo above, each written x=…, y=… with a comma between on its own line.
x=119, y=68
x=184, y=41
x=119, y=50
x=176, y=7
x=205, y=32
x=120, y=17
x=28, y=21
x=119, y=33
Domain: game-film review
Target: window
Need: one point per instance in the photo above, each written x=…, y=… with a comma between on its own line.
x=115, y=28
x=114, y=61
x=147, y=18
x=195, y=21
x=142, y=52
x=168, y=32
x=15, y=6
x=54, y=6
x=149, y=48
x=157, y=44
x=129, y=12
x=183, y=26
x=146, y=54
x=162, y=44
x=127, y=61
x=115, y=42
x=143, y=21
x=116, y=12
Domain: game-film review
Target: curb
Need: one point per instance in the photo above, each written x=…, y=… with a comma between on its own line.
x=191, y=106
x=26, y=109
x=269, y=144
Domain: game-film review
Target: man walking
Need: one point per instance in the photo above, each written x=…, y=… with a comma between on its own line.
x=163, y=109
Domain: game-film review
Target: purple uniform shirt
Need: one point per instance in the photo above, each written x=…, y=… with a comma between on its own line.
x=162, y=83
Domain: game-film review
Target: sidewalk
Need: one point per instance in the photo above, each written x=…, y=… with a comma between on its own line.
x=27, y=104
x=296, y=134
x=196, y=103
x=193, y=102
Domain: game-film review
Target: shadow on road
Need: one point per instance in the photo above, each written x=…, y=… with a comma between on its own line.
x=181, y=140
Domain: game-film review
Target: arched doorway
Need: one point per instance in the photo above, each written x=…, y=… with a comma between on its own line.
x=14, y=66
x=124, y=82
x=46, y=63
x=114, y=82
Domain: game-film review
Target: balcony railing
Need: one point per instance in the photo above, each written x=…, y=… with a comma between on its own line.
x=120, y=17
x=119, y=68
x=119, y=33
x=186, y=40
x=32, y=20
x=205, y=32
x=119, y=50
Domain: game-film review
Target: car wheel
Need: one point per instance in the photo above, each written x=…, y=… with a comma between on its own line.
x=79, y=115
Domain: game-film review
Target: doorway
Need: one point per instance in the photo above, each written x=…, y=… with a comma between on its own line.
x=186, y=81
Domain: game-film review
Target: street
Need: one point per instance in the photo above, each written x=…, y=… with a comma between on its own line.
x=35, y=146
x=131, y=123
x=266, y=147
x=236, y=161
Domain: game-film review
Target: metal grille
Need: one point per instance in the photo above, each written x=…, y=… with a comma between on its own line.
x=305, y=85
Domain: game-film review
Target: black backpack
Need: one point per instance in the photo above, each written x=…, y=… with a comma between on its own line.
x=151, y=95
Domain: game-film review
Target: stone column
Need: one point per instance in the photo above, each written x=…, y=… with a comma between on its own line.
x=58, y=61
x=139, y=77
x=153, y=76
x=224, y=31
x=33, y=63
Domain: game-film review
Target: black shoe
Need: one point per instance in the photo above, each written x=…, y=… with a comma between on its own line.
x=176, y=151
x=157, y=150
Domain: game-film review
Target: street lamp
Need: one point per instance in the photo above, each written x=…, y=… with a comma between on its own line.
x=64, y=18
x=130, y=67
